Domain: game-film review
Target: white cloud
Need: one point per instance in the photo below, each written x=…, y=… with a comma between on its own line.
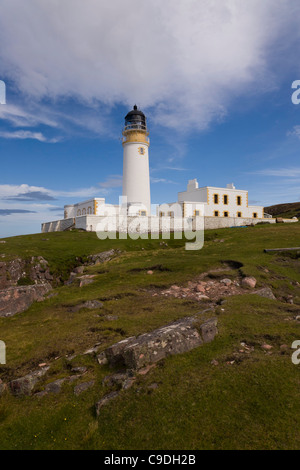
x=184, y=60
x=21, y=134
x=20, y=117
x=113, y=181
x=162, y=180
x=280, y=172
x=25, y=192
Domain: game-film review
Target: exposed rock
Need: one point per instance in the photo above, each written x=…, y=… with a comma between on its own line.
x=249, y=282
x=105, y=400
x=100, y=258
x=146, y=369
x=265, y=292
x=83, y=387
x=90, y=304
x=102, y=359
x=266, y=347
x=93, y=350
x=227, y=282
x=26, y=384
x=115, y=379
x=85, y=282
x=176, y=338
x=18, y=299
x=203, y=297
x=55, y=387
x=111, y=317
x=79, y=270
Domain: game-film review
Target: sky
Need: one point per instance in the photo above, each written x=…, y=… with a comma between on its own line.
x=213, y=78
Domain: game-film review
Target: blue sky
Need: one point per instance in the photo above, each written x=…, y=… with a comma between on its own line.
x=213, y=78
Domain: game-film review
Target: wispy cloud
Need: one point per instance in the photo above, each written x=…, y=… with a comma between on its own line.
x=27, y=193
x=113, y=181
x=4, y=212
x=21, y=134
x=280, y=172
x=162, y=180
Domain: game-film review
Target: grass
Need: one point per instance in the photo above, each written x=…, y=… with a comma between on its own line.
x=250, y=404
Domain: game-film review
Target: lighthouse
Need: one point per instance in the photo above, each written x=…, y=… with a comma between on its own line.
x=136, y=180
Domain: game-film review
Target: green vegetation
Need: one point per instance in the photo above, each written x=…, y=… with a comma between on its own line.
x=245, y=401
x=287, y=211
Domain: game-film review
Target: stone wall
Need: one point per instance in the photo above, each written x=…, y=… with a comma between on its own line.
x=224, y=222
x=57, y=225
x=90, y=223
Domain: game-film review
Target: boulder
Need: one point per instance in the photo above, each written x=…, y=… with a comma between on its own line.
x=176, y=338
x=249, y=282
x=265, y=292
x=26, y=384
x=100, y=258
x=83, y=387
x=18, y=299
x=226, y=282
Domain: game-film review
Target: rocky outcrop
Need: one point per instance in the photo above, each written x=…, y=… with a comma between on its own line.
x=265, y=292
x=21, y=272
x=18, y=299
x=26, y=384
x=176, y=338
x=100, y=258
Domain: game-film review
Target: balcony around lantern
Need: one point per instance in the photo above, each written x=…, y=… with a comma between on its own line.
x=133, y=126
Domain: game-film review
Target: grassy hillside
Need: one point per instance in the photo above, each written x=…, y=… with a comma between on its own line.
x=240, y=401
x=284, y=210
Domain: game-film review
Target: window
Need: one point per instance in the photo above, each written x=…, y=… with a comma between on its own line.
x=225, y=199
x=161, y=214
x=216, y=213
x=196, y=213
x=89, y=211
x=83, y=211
x=141, y=151
x=216, y=198
x=239, y=200
x=78, y=212
x=170, y=214
x=239, y=214
x=225, y=214
x=254, y=215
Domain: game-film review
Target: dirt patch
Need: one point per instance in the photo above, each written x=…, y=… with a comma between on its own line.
x=203, y=288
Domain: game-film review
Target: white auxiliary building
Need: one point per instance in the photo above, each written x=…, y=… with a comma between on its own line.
x=220, y=207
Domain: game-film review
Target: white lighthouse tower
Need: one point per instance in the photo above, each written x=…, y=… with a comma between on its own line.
x=136, y=180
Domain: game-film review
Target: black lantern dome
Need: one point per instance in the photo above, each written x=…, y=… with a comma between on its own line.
x=135, y=119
